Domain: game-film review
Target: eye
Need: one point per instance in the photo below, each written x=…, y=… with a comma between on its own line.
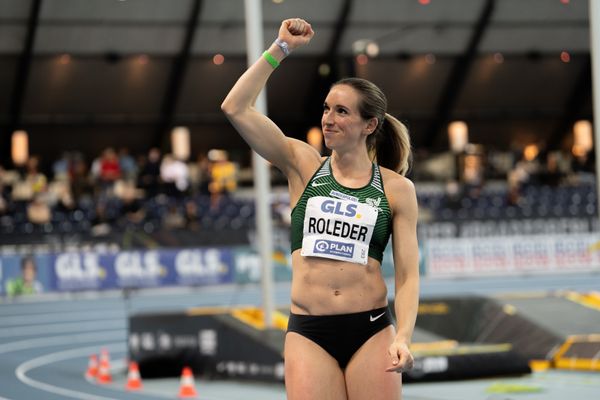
x=325, y=107
x=342, y=110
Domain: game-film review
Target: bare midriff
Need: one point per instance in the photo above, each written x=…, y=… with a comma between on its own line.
x=328, y=287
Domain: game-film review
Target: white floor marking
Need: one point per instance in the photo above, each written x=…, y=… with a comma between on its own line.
x=63, y=339
x=21, y=370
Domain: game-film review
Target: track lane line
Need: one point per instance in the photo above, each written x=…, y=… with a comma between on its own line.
x=63, y=340
x=38, y=319
x=22, y=370
x=71, y=327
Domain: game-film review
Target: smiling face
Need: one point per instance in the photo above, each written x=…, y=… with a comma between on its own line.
x=343, y=126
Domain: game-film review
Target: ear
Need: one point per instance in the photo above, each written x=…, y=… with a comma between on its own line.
x=371, y=125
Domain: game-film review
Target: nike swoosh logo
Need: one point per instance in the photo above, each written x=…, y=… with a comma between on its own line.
x=372, y=318
x=315, y=184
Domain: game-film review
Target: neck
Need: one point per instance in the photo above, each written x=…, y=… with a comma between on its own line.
x=352, y=170
x=354, y=163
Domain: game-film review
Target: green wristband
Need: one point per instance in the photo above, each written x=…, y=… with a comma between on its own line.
x=270, y=59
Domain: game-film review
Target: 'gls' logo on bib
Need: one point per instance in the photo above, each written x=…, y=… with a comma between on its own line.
x=339, y=208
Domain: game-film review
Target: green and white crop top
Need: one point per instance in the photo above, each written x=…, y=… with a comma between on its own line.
x=340, y=223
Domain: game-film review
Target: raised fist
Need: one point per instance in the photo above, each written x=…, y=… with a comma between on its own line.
x=296, y=32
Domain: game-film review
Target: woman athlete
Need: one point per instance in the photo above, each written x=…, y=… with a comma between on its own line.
x=341, y=343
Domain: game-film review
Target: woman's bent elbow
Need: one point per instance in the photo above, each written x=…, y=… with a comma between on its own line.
x=227, y=108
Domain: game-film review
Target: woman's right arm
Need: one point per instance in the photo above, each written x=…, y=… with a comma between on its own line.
x=257, y=129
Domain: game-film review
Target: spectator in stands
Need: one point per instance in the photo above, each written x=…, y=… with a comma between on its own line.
x=175, y=176
x=149, y=176
x=95, y=169
x=35, y=179
x=127, y=164
x=525, y=171
x=81, y=185
x=583, y=165
x=173, y=218
x=453, y=193
x=337, y=285
x=110, y=170
x=102, y=221
x=223, y=177
x=66, y=203
x=551, y=174
x=132, y=209
x=3, y=193
x=200, y=175
x=3, y=204
x=192, y=216
x=61, y=167
x=27, y=283
x=38, y=211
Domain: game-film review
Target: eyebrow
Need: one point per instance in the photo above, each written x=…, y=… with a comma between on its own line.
x=336, y=105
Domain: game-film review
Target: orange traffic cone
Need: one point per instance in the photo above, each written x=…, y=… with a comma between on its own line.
x=134, y=381
x=104, y=356
x=103, y=375
x=92, y=369
x=187, y=387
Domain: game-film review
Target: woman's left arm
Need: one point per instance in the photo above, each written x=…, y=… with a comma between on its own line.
x=406, y=265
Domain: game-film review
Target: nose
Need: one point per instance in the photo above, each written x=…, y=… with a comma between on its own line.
x=327, y=119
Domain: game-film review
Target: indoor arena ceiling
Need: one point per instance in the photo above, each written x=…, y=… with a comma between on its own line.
x=509, y=67
x=158, y=27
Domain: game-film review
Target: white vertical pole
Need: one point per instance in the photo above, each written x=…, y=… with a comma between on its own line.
x=262, y=183
x=595, y=52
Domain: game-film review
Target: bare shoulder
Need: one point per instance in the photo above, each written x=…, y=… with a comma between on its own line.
x=396, y=183
x=399, y=190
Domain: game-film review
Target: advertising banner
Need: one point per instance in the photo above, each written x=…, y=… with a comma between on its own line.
x=443, y=257
x=27, y=275
x=512, y=255
x=24, y=274
x=142, y=269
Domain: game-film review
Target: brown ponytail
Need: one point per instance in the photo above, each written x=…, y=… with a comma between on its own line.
x=389, y=144
x=392, y=145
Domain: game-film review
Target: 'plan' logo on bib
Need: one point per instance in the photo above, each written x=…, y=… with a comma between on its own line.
x=336, y=248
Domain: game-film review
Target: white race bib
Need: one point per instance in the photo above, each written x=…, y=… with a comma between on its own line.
x=338, y=229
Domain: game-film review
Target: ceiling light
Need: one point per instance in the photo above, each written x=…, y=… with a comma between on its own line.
x=359, y=46
x=365, y=46
x=143, y=59
x=362, y=59
x=372, y=49
x=64, y=59
x=583, y=135
x=19, y=147
x=218, y=59
x=324, y=69
x=458, y=136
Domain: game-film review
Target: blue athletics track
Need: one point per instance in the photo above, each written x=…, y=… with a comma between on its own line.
x=46, y=341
